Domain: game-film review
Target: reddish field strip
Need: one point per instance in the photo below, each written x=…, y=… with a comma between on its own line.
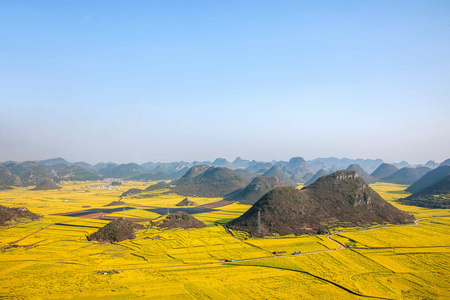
x=69, y=213
x=215, y=204
x=95, y=216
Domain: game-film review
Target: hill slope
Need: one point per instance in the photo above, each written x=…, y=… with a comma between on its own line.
x=429, y=178
x=277, y=172
x=445, y=163
x=186, y=202
x=254, y=190
x=247, y=174
x=436, y=195
x=363, y=174
x=406, y=175
x=47, y=184
x=116, y=231
x=339, y=199
x=9, y=214
x=316, y=176
x=181, y=219
x=76, y=173
x=125, y=171
x=36, y=176
x=214, y=182
x=7, y=178
x=384, y=170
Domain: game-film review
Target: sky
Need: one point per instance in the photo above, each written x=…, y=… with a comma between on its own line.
x=162, y=81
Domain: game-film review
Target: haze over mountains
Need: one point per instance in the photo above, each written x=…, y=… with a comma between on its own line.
x=292, y=172
x=435, y=195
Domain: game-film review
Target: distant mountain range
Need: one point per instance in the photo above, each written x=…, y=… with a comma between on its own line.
x=297, y=169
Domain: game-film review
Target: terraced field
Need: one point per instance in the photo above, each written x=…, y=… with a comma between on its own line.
x=51, y=258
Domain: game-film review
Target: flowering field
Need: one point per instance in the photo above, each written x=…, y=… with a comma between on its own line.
x=51, y=258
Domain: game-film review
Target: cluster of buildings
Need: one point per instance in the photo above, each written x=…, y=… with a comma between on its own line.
x=102, y=187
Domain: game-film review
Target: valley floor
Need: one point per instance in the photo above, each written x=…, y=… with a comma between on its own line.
x=51, y=258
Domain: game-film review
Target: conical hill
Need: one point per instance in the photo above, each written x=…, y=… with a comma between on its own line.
x=436, y=195
x=186, y=202
x=47, y=184
x=214, y=182
x=429, y=178
x=255, y=190
x=384, y=170
x=320, y=173
x=341, y=199
x=181, y=219
x=363, y=174
x=277, y=172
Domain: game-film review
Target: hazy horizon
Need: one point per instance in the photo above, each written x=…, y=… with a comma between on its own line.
x=213, y=159
x=169, y=81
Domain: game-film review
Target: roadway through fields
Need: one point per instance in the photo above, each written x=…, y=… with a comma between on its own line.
x=11, y=244
x=341, y=247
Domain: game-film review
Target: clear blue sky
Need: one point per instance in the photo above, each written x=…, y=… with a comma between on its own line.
x=194, y=80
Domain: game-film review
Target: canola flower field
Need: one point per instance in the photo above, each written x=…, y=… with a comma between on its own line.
x=52, y=259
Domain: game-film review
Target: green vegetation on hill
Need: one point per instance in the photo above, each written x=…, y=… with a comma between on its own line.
x=186, y=202
x=254, y=190
x=7, y=178
x=247, y=174
x=407, y=175
x=277, y=172
x=384, y=170
x=436, y=195
x=212, y=182
x=181, y=219
x=47, y=184
x=429, y=178
x=36, y=176
x=75, y=173
x=13, y=214
x=363, y=174
x=341, y=199
x=124, y=171
x=316, y=176
x=132, y=191
x=4, y=187
x=116, y=231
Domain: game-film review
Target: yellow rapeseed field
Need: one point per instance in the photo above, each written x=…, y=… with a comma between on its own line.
x=52, y=259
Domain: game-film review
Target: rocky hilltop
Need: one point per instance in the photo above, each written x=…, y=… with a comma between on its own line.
x=341, y=199
x=363, y=174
